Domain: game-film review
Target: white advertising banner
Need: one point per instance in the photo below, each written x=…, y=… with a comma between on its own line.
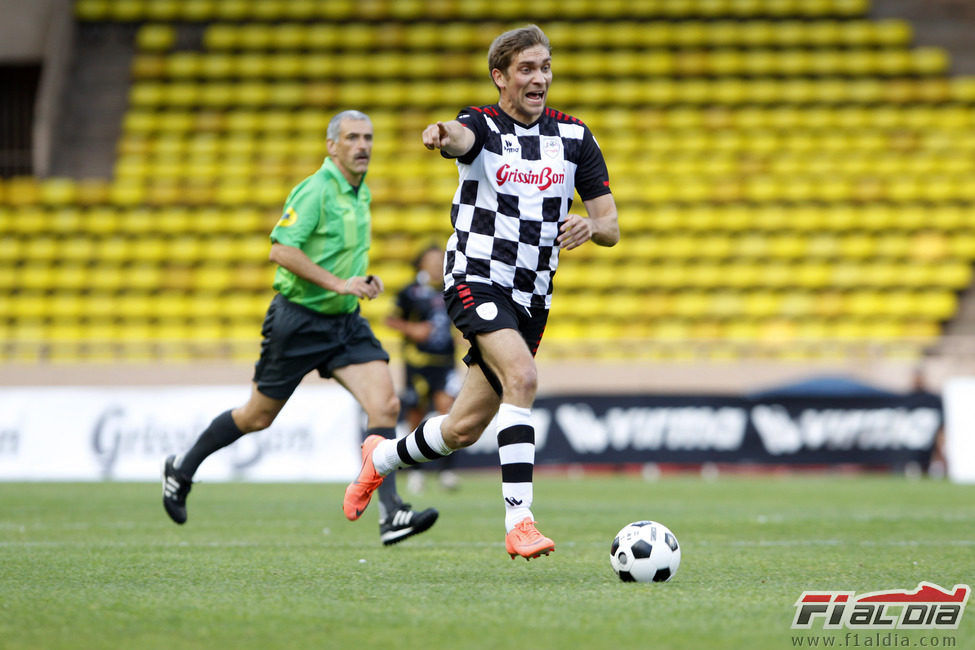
x=125, y=433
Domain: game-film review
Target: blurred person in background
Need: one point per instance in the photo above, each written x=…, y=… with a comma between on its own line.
x=937, y=464
x=520, y=165
x=321, y=247
x=429, y=355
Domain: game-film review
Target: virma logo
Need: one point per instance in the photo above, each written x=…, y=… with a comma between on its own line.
x=927, y=607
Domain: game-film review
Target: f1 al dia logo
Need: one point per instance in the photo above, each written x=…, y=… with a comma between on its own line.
x=925, y=608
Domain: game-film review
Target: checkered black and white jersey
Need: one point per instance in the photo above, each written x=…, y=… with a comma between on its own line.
x=516, y=186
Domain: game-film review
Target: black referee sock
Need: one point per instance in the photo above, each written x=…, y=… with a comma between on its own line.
x=221, y=432
x=389, y=499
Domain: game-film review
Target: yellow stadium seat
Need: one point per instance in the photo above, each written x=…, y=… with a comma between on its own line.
x=183, y=65
x=957, y=275
x=220, y=36
x=101, y=307
x=91, y=10
x=67, y=306
x=255, y=37
x=232, y=10
x=761, y=304
x=107, y=278
x=10, y=251
x=185, y=249
x=175, y=120
x=150, y=66
x=889, y=31
x=126, y=10
x=302, y=10
x=322, y=36
x=181, y=94
x=936, y=305
x=743, y=274
x=58, y=191
x=929, y=61
x=248, y=309
x=286, y=65
x=77, y=249
x=29, y=306
x=147, y=94
x=268, y=11
x=216, y=65
x=199, y=10
x=134, y=307
x=154, y=37
x=727, y=304
x=41, y=249
x=71, y=277
x=741, y=330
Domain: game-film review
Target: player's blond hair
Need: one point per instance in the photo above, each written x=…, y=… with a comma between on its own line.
x=507, y=45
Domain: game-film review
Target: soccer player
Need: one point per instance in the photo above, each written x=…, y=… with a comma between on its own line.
x=520, y=164
x=429, y=352
x=321, y=248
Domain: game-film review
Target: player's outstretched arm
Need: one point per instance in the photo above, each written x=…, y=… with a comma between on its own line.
x=295, y=260
x=453, y=138
x=602, y=226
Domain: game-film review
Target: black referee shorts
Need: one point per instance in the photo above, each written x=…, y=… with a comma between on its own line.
x=298, y=340
x=477, y=308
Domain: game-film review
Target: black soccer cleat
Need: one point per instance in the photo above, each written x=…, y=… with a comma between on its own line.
x=175, y=488
x=404, y=522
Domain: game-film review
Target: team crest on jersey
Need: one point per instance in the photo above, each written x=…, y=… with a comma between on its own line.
x=510, y=144
x=288, y=218
x=552, y=146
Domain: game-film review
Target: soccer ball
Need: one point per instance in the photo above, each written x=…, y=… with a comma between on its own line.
x=645, y=551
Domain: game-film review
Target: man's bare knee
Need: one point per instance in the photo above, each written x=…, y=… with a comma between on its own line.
x=250, y=421
x=392, y=406
x=520, y=385
x=463, y=432
x=383, y=410
x=459, y=439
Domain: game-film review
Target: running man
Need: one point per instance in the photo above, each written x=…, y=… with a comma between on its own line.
x=520, y=164
x=321, y=247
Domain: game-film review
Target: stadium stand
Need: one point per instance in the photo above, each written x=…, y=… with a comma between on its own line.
x=795, y=179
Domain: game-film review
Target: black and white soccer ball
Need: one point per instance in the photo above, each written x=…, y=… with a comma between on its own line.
x=645, y=551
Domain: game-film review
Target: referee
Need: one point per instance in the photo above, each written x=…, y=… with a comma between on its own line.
x=321, y=247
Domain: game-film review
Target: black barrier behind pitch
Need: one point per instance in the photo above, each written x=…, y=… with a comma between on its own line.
x=890, y=430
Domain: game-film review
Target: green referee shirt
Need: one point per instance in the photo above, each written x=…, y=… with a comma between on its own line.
x=326, y=218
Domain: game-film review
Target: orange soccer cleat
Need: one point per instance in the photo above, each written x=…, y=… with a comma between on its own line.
x=525, y=540
x=359, y=492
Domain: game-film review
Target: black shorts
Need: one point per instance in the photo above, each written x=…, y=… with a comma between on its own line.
x=298, y=340
x=477, y=308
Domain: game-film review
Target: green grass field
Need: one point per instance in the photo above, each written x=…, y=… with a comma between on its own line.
x=260, y=566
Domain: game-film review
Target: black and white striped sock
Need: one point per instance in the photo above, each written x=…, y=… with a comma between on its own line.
x=421, y=446
x=516, y=450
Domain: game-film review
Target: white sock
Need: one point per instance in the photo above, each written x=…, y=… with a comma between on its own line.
x=421, y=446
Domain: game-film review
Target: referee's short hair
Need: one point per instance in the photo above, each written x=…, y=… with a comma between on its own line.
x=332, y=133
